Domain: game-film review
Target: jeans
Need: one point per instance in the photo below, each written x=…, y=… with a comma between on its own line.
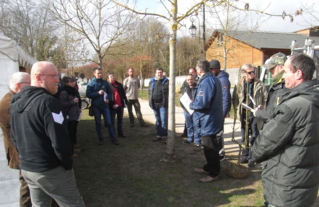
x=56, y=183
x=137, y=107
x=98, y=111
x=191, y=132
x=119, y=112
x=161, y=117
x=246, y=153
x=211, y=150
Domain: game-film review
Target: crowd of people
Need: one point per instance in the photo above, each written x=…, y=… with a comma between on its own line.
x=278, y=125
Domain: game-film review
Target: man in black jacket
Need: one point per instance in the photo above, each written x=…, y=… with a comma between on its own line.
x=117, y=104
x=191, y=132
x=39, y=132
x=288, y=144
x=158, y=101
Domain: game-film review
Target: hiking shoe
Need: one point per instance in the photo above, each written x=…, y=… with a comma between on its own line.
x=157, y=139
x=200, y=171
x=208, y=179
x=251, y=163
x=187, y=142
x=76, y=150
x=243, y=160
x=197, y=144
x=114, y=141
x=164, y=139
x=144, y=125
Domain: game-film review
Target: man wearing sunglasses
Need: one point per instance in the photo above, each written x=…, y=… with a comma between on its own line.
x=257, y=95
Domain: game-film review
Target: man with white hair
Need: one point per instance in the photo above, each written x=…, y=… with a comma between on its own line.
x=41, y=137
x=17, y=82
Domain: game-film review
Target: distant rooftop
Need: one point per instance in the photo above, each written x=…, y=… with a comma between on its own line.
x=269, y=40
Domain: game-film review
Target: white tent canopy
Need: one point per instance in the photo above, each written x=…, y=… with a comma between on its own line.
x=11, y=57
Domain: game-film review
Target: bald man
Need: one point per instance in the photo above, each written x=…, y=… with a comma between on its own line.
x=41, y=138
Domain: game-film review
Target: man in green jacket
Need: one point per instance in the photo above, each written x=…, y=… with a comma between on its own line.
x=288, y=144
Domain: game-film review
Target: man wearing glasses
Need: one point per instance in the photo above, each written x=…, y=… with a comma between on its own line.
x=39, y=132
x=257, y=95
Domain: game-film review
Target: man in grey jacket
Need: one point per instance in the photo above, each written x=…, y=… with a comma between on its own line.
x=288, y=145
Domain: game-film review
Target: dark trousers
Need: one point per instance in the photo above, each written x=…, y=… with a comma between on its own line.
x=119, y=113
x=254, y=133
x=137, y=107
x=211, y=150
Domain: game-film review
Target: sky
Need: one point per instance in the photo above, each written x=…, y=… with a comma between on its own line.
x=276, y=24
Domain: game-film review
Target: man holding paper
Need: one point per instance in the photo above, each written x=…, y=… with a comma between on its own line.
x=257, y=95
x=188, y=97
x=100, y=92
x=208, y=119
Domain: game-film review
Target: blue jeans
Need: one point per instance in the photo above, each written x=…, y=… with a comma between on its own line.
x=98, y=111
x=161, y=117
x=191, y=132
x=119, y=112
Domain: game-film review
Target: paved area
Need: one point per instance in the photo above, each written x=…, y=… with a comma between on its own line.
x=230, y=147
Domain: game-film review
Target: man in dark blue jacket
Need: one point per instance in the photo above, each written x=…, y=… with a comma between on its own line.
x=100, y=92
x=224, y=80
x=208, y=118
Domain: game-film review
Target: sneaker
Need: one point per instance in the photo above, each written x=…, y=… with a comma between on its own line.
x=208, y=179
x=187, y=142
x=200, y=171
x=114, y=141
x=243, y=160
x=251, y=163
x=221, y=158
x=157, y=139
x=197, y=144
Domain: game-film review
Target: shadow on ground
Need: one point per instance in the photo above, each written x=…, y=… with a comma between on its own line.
x=130, y=174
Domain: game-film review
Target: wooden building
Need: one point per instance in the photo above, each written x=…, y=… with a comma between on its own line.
x=253, y=47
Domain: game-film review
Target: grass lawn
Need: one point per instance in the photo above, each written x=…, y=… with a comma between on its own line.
x=132, y=175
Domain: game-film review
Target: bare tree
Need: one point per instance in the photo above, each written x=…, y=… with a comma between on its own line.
x=100, y=22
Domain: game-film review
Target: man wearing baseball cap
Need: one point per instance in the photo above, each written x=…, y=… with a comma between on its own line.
x=275, y=66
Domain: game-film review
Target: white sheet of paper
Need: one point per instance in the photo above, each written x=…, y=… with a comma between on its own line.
x=185, y=100
x=58, y=118
x=105, y=96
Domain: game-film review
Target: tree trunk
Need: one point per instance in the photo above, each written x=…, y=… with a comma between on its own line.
x=170, y=149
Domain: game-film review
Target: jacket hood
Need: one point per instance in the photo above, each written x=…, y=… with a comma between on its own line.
x=308, y=90
x=205, y=76
x=164, y=79
x=223, y=74
x=22, y=99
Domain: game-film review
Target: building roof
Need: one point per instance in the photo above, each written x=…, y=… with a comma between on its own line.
x=269, y=40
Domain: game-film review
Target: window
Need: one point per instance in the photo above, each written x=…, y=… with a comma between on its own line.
x=220, y=40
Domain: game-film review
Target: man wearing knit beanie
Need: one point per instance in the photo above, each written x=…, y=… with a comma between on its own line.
x=224, y=80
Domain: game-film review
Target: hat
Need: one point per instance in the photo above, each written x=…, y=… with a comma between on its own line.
x=277, y=59
x=214, y=64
